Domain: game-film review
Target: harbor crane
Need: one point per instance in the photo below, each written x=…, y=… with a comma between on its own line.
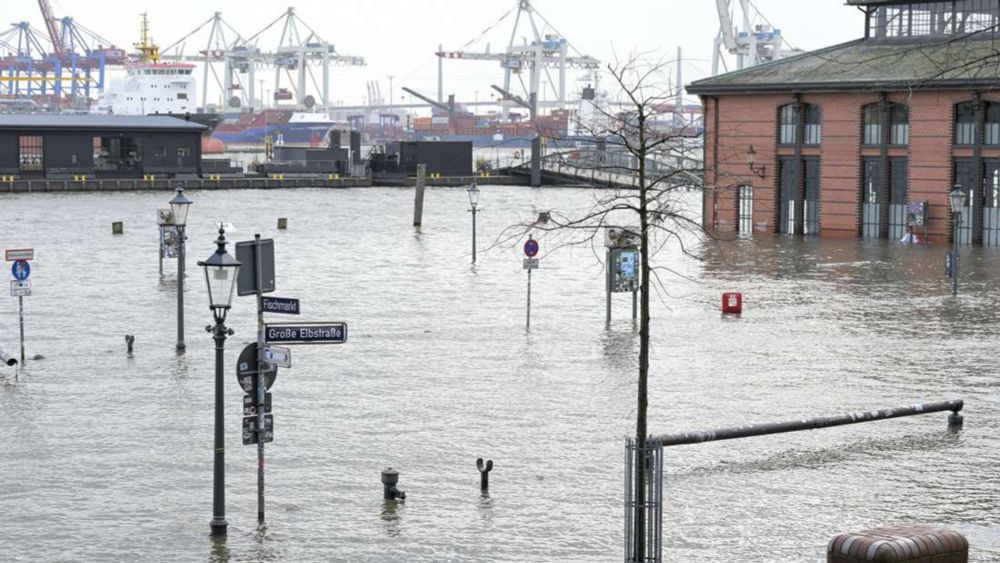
x=535, y=57
x=35, y=65
x=752, y=44
x=298, y=51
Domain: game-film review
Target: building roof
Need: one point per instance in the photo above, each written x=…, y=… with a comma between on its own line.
x=926, y=63
x=64, y=122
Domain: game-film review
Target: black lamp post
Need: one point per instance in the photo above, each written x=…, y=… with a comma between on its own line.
x=473, y=191
x=179, y=208
x=957, y=201
x=760, y=171
x=220, y=274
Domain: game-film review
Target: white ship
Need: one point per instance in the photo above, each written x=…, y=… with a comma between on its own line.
x=150, y=86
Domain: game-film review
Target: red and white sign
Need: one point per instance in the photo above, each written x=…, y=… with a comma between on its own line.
x=14, y=254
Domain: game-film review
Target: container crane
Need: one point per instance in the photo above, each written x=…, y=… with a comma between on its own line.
x=754, y=45
x=538, y=56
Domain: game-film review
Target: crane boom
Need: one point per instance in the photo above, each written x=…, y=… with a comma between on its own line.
x=50, y=25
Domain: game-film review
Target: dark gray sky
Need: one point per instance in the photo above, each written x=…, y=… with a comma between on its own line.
x=399, y=37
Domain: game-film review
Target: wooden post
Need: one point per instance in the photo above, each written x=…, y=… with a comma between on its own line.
x=418, y=200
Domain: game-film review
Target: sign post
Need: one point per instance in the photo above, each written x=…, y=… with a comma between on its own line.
x=530, y=263
x=20, y=286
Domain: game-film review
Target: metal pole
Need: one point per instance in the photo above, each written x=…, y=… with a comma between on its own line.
x=954, y=255
x=473, y=234
x=261, y=387
x=607, y=287
x=20, y=314
x=161, y=252
x=634, y=300
x=180, y=289
x=219, y=523
x=528, y=325
x=748, y=430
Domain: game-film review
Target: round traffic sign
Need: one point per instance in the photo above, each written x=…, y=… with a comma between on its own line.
x=246, y=369
x=530, y=248
x=20, y=270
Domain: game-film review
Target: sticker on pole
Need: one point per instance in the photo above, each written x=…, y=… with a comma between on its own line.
x=530, y=248
x=21, y=270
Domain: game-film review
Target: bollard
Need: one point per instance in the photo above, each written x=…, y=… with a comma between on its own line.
x=484, y=473
x=955, y=421
x=129, y=339
x=282, y=223
x=117, y=228
x=899, y=544
x=389, y=479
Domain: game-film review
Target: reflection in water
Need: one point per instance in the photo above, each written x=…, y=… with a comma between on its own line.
x=220, y=551
x=392, y=517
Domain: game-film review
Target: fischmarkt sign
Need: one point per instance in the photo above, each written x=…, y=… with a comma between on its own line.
x=306, y=333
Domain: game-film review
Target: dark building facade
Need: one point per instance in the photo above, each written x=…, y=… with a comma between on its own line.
x=98, y=146
x=861, y=139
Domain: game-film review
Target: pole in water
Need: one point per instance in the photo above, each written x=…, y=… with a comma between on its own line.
x=20, y=313
x=418, y=198
x=129, y=340
x=528, y=324
x=607, y=288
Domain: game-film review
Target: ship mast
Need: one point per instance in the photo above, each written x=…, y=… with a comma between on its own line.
x=149, y=51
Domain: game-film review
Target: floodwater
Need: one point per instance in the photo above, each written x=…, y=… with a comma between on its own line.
x=109, y=458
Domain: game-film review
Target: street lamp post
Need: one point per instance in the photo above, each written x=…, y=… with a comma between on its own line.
x=957, y=201
x=179, y=208
x=220, y=274
x=473, y=191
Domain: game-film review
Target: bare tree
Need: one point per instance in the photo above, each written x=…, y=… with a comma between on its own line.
x=650, y=161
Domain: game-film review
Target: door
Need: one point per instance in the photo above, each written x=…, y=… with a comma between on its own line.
x=810, y=207
x=897, y=198
x=991, y=203
x=788, y=193
x=871, y=195
x=965, y=176
x=744, y=218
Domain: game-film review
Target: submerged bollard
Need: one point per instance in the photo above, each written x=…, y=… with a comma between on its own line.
x=282, y=223
x=117, y=228
x=129, y=339
x=900, y=544
x=389, y=479
x=484, y=473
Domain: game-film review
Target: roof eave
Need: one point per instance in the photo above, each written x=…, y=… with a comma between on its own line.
x=781, y=88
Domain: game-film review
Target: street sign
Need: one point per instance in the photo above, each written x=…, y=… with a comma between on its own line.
x=306, y=333
x=531, y=248
x=246, y=283
x=280, y=305
x=246, y=369
x=250, y=407
x=20, y=254
x=250, y=432
x=21, y=270
x=20, y=288
x=531, y=263
x=278, y=356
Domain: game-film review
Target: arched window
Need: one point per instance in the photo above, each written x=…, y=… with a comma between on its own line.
x=991, y=134
x=899, y=124
x=786, y=124
x=872, y=120
x=813, y=125
x=965, y=123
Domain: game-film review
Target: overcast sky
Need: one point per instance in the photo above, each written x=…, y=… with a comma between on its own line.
x=399, y=37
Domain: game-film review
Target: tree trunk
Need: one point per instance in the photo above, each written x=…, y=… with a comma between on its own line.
x=642, y=397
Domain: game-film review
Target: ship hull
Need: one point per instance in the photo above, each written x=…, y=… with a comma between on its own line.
x=290, y=133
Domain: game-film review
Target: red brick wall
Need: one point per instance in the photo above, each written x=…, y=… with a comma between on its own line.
x=751, y=119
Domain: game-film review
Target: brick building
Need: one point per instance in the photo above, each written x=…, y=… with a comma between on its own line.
x=848, y=140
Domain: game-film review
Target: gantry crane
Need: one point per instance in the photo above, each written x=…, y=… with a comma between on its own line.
x=751, y=45
x=537, y=56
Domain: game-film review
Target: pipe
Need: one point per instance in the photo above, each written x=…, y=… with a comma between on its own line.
x=748, y=430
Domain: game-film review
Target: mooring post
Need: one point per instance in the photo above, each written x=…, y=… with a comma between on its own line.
x=418, y=198
x=389, y=479
x=484, y=473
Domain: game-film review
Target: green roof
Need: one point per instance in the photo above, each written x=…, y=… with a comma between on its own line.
x=926, y=63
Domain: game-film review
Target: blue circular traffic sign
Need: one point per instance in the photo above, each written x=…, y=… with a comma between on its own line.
x=20, y=270
x=531, y=248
